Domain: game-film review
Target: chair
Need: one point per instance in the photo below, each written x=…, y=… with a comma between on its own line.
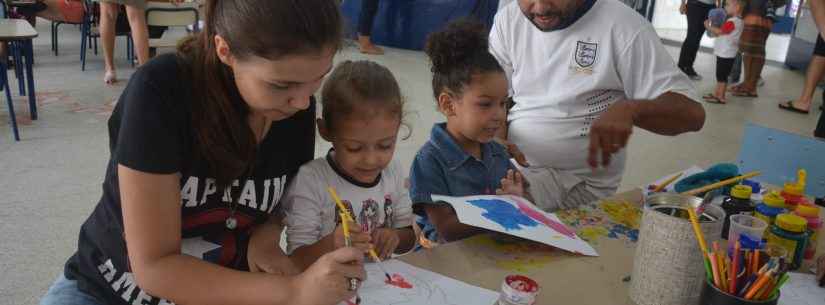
x=89, y=32
x=56, y=27
x=779, y=154
x=170, y=15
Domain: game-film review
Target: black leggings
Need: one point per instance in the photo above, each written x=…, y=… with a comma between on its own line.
x=365, y=20
x=697, y=13
x=723, y=67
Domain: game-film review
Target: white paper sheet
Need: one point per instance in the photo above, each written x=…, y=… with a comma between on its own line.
x=427, y=288
x=802, y=289
x=517, y=217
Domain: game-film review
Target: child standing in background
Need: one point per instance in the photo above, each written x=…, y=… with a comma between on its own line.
x=361, y=116
x=725, y=47
x=461, y=158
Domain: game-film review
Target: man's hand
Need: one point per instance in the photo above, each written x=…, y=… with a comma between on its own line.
x=610, y=132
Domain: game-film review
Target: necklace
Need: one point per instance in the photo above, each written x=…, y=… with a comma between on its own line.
x=231, y=221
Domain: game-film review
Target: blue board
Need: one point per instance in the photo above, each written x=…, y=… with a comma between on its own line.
x=406, y=23
x=779, y=154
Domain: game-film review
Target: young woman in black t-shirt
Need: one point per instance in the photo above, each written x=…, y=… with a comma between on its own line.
x=203, y=144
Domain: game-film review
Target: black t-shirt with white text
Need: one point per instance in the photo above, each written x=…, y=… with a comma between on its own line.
x=151, y=131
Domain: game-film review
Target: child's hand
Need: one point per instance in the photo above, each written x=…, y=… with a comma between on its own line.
x=386, y=240
x=358, y=238
x=708, y=25
x=512, y=184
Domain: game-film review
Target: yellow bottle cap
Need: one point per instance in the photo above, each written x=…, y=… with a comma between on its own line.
x=809, y=211
x=741, y=192
x=774, y=200
x=796, y=188
x=790, y=222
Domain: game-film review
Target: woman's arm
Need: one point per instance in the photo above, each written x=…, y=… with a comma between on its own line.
x=152, y=227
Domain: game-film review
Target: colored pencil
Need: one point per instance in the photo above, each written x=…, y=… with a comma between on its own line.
x=694, y=221
x=782, y=280
x=719, y=184
x=755, y=261
x=762, y=281
x=748, y=283
x=734, y=270
x=713, y=265
x=667, y=182
x=766, y=291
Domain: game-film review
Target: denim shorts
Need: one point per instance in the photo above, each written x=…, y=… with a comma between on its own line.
x=65, y=292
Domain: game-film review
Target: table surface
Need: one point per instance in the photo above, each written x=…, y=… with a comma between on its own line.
x=16, y=29
x=564, y=278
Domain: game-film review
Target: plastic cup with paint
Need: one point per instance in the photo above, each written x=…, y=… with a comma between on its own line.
x=751, y=226
x=518, y=290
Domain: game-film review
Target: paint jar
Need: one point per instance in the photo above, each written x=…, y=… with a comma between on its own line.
x=789, y=232
x=772, y=205
x=756, y=189
x=739, y=202
x=747, y=225
x=713, y=296
x=794, y=192
x=518, y=290
x=811, y=214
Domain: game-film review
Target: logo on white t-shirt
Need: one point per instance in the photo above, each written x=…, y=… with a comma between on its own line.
x=585, y=56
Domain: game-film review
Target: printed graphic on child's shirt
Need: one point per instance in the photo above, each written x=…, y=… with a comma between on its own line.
x=369, y=217
x=388, y=213
x=348, y=205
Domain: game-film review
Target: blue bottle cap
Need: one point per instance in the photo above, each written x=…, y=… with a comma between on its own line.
x=748, y=243
x=756, y=187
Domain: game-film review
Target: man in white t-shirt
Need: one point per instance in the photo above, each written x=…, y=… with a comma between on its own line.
x=583, y=73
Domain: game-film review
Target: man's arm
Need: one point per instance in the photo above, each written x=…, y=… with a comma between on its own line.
x=669, y=114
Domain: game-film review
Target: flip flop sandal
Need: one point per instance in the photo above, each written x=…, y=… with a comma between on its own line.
x=713, y=100
x=790, y=107
x=744, y=94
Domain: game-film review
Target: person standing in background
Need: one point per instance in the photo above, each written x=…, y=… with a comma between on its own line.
x=818, y=12
x=697, y=13
x=136, y=11
x=366, y=19
x=760, y=16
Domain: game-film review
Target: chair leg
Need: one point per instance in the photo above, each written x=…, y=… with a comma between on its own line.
x=84, y=36
x=55, y=43
x=5, y=79
x=28, y=52
x=18, y=67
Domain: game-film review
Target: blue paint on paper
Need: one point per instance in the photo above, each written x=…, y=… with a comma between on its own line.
x=504, y=214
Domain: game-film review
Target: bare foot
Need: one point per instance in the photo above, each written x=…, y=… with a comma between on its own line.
x=110, y=78
x=366, y=46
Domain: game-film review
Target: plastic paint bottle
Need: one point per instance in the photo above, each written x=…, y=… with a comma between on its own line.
x=789, y=232
x=739, y=202
x=794, y=192
x=772, y=205
x=811, y=214
x=756, y=190
x=518, y=290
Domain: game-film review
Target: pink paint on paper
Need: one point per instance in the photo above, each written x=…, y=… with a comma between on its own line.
x=530, y=211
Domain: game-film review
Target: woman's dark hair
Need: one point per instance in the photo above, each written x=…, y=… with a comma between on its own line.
x=458, y=52
x=262, y=28
x=360, y=87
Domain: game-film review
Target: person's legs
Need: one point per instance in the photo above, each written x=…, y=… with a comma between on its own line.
x=108, y=19
x=816, y=69
x=819, y=132
x=140, y=32
x=697, y=13
x=736, y=70
x=365, y=22
x=723, y=67
x=65, y=292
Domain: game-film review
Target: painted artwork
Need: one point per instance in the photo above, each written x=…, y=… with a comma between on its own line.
x=415, y=286
x=612, y=219
x=517, y=217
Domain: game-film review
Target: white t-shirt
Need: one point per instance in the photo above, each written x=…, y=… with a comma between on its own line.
x=727, y=45
x=311, y=213
x=563, y=80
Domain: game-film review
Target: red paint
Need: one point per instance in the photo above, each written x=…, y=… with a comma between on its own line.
x=531, y=212
x=399, y=281
x=522, y=283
